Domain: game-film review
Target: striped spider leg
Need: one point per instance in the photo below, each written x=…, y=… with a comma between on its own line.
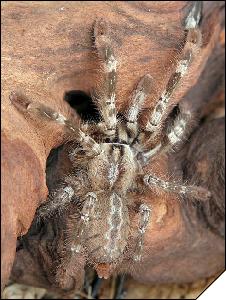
x=182, y=124
x=75, y=238
x=47, y=114
x=105, y=94
x=139, y=96
x=193, y=40
x=191, y=191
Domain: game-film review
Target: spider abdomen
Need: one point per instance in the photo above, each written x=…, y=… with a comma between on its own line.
x=106, y=238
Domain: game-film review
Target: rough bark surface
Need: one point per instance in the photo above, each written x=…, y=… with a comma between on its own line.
x=47, y=50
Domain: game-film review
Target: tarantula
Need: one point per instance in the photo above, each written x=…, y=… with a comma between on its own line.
x=108, y=158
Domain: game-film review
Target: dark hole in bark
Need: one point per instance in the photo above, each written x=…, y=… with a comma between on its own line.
x=83, y=105
x=175, y=111
x=172, y=116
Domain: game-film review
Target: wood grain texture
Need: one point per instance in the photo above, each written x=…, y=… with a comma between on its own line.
x=47, y=50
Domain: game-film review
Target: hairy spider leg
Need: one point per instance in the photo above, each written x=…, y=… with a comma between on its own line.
x=72, y=249
x=179, y=132
x=86, y=213
x=195, y=192
x=69, y=264
x=127, y=130
x=176, y=135
x=183, y=122
x=192, y=45
x=72, y=131
x=156, y=120
x=179, y=129
x=105, y=96
x=138, y=97
x=56, y=201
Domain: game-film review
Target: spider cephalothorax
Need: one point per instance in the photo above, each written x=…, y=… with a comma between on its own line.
x=108, y=158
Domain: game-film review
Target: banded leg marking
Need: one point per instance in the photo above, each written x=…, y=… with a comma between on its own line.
x=175, y=137
x=145, y=213
x=195, y=192
x=139, y=96
x=106, y=99
x=192, y=45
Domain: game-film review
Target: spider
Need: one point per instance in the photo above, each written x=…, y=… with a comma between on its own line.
x=108, y=158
